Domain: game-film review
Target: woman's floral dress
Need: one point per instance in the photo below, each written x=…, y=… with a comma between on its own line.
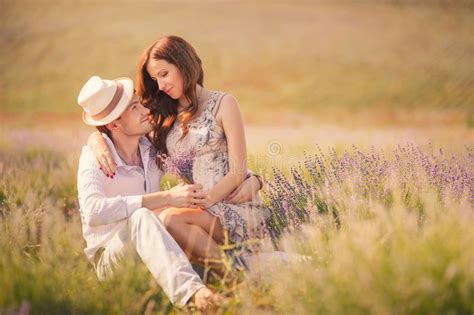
x=207, y=141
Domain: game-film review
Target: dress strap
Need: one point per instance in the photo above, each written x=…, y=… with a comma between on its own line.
x=217, y=103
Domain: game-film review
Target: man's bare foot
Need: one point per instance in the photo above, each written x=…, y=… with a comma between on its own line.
x=205, y=299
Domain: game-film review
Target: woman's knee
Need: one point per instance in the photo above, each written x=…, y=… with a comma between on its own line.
x=174, y=218
x=170, y=219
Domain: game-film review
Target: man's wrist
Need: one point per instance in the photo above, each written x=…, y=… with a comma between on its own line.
x=154, y=200
x=167, y=199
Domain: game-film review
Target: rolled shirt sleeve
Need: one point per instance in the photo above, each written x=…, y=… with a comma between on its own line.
x=133, y=203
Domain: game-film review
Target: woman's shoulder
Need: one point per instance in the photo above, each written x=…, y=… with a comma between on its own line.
x=226, y=105
x=228, y=101
x=221, y=97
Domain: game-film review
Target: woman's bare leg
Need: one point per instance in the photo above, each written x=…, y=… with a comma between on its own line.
x=196, y=231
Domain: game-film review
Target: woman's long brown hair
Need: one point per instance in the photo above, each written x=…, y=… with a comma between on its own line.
x=164, y=109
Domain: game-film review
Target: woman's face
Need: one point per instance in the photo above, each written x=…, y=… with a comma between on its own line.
x=167, y=76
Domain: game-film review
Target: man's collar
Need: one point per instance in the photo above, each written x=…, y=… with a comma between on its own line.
x=143, y=143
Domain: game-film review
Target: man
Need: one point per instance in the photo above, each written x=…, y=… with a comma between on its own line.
x=119, y=213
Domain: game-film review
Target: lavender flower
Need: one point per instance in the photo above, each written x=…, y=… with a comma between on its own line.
x=322, y=182
x=181, y=165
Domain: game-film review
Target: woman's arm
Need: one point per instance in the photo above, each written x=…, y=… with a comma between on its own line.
x=102, y=153
x=231, y=119
x=248, y=190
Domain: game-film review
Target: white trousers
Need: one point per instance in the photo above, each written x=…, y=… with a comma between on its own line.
x=145, y=235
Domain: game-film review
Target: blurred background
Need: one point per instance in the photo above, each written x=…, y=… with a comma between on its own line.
x=304, y=72
x=351, y=75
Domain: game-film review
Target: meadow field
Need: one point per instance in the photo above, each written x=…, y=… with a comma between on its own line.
x=360, y=114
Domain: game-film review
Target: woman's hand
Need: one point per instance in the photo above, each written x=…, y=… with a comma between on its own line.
x=247, y=191
x=102, y=153
x=187, y=196
x=207, y=203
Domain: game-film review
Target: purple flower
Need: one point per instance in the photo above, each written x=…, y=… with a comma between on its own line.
x=313, y=186
x=180, y=165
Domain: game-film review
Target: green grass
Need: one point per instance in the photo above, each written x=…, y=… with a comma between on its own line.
x=320, y=59
x=379, y=258
x=43, y=262
x=387, y=264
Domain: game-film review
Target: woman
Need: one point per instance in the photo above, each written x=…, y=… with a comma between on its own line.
x=189, y=117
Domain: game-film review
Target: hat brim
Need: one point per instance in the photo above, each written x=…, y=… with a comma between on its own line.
x=118, y=110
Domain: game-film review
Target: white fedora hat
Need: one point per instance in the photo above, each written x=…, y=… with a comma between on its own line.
x=103, y=101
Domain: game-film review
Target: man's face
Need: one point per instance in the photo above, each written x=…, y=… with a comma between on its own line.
x=134, y=121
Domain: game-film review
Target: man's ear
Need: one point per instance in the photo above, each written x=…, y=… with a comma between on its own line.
x=112, y=126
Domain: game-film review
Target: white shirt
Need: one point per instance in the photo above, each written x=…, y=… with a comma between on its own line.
x=106, y=203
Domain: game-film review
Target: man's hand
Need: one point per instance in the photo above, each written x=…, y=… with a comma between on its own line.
x=186, y=196
x=206, y=300
x=247, y=191
x=180, y=196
